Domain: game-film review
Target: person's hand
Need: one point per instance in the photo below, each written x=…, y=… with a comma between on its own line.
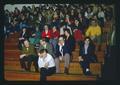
x=60, y=58
x=33, y=35
x=74, y=30
x=21, y=38
x=21, y=56
x=46, y=65
x=47, y=36
x=59, y=44
x=39, y=54
x=80, y=58
x=92, y=37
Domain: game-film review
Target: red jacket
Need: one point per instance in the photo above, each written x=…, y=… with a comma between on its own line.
x=55, y=34
x=78, y=35
x=48, y=35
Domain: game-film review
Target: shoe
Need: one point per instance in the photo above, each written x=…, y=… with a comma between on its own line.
x=66, y=71
x=36, y=71
x=88, y=73
x=23, y=69
x=28, y=70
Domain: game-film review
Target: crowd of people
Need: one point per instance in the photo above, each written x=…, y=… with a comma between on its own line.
x=51, y=31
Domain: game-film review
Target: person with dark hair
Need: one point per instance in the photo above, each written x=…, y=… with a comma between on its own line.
x=78, y=32
x=23, y=21
x=46, y=64
x=101, y=16
x=28, y=55
x=87, y=55
x=69, y=40
x=35, y=37
x=88, y=13
x=41, y=21
x=23, y=35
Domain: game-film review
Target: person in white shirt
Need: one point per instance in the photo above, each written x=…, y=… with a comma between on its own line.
x=101, y=16
x=46, y=64
x=88, y=13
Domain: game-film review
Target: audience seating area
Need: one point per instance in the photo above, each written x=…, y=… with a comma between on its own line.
x=29, y=19
x=13, y=70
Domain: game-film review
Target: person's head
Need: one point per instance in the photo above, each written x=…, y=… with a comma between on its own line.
x=43, y=41
x=67, y=16
x=80, y=15
x=23, y=17
x=89, y=10
x=87, y=40
x=46, y=27
x=72, y=12
x=100, y=8
x=76, y=22
x=61, y=40
x=26, y=43
x=93, y=22
x=94, y=17
x=54, y=28
x=24, y=29
x=37, y=28
x=67, y=32
x=42, y=53
x=61, y=14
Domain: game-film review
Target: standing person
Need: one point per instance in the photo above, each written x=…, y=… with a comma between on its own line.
x=46, y=64
x=28, y=55
x=87, y=55
x=62, y=53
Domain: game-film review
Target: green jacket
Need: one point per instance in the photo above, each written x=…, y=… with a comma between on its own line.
x=49, y=49
x=30, y=51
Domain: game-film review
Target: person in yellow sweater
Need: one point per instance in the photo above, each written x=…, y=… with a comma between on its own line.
x=94, y=32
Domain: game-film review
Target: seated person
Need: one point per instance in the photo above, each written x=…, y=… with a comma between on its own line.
x=46, y=64
x=46, y=33
x=87, y=55
x=45, y=45
x=23, y=35
x=35, y=38
x=28, y=55
x=78, y=32
x=69, y=39
x=55, y=34
x=62, y=53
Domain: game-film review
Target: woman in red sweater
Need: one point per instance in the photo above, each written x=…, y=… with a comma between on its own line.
x=46, y=33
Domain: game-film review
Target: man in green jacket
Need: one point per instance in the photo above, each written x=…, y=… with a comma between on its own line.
x=45, y=45
x=28, y=54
